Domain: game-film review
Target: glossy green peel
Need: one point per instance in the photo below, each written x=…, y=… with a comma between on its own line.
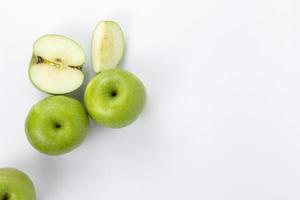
x=57, y=125
x=15, y=185
x=115, y=98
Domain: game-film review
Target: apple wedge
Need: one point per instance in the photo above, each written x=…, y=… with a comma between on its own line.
x=108, y=46
x=56, y=64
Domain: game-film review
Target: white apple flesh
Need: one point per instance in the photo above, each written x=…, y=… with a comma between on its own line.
x=108, y=46
x=56, y=64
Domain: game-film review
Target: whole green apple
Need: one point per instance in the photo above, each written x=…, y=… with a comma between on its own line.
x=15, y=185
x=114, y=98
x=56, y=125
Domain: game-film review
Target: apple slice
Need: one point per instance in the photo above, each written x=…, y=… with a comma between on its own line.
x=108, y=46
x=56, y=64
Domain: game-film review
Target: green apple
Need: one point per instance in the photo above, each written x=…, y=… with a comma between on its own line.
x=115, y=98
x=57, y=125
x=15, y=185
x=108, y=46
x=56, y=64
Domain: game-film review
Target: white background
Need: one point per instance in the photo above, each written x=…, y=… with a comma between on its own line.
x=222, y=121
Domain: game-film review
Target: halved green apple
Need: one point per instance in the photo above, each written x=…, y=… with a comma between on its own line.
x=56, y=64
x=108, y=46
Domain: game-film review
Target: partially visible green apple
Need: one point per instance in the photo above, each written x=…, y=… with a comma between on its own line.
x=56, y=64
x=108, y=46
x=114, y=98
x=15, y=185
x=57, y=125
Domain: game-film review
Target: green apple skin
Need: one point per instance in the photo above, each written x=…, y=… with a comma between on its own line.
x=15, y=185
x=115, y=98
x=56, y=125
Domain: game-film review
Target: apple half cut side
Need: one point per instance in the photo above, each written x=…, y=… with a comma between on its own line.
x=56, y=64
x=108, y=46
